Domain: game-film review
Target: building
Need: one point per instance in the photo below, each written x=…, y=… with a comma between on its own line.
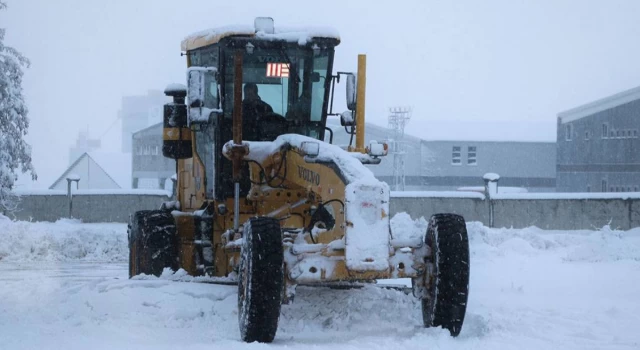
x=138, y=112
x=150, y=168
x=429, y=165
x=441, y=165
x=83, y=145
x=598, y=145
x=98, y=171
x=448, y=165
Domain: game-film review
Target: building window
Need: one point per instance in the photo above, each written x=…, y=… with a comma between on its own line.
x=612, y=189
x=588, y=188
x=455, y=155
x=635, y=188
x=604, y=185
x=568, y=131
x=619, y=134
x=471, y=155
x=605, y=130
x=587, y=135
x=612, y=133
x=635, y=133
x=628, y=133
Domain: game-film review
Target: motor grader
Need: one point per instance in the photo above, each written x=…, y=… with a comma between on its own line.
x=264, y=199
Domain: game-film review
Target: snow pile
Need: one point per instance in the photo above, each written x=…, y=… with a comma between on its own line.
x=529, y=289
x=66, y=240
x=605, y=244
x=301, y=35
x=608, y=245
x=579, y=245
x=183, y=276
x=407, y=232
x=351, y=167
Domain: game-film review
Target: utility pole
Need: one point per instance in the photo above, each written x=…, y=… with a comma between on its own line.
x=398, y=119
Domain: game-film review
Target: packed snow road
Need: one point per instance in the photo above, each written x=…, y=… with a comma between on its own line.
x=65, y=286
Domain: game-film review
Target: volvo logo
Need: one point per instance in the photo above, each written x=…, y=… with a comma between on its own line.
x=308, y=175
x=272, y=59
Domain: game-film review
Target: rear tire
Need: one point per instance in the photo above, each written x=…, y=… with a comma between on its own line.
x=152, y=242
x=448, y=288
x=261, y=280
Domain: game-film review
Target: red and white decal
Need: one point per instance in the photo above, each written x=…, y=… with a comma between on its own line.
x=277, y=70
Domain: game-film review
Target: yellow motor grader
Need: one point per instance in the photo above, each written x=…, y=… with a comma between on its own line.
x=264, y=202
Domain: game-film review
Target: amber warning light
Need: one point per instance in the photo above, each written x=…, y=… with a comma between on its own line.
x=277, y=70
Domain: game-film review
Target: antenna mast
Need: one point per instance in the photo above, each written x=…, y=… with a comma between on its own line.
x=398, y=119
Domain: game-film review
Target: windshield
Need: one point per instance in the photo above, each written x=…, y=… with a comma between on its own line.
x=283, y=87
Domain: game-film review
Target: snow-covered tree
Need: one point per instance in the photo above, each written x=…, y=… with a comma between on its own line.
x=15, y=153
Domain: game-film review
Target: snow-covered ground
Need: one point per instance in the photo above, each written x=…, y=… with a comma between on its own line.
x=65, y=286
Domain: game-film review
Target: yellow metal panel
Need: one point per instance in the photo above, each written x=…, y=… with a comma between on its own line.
x=173, y=134
x=360, y=102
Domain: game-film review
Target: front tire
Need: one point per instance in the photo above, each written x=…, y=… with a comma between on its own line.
x=152, y=242
x=448, y=284
x=261, y=280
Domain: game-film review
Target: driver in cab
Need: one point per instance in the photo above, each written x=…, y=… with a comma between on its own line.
x=252, y=105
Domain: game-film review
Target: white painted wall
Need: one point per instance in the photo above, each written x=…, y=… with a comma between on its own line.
x=92, y=177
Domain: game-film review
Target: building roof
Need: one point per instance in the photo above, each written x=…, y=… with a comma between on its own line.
x=148, y=128
x=418, y=130
x=600, y=105
x=301, y=35
x=116, y=166
x=483, y=130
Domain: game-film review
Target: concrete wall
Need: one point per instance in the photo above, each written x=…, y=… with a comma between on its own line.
x=558, y=213
x=567, y=214
x=472, y=209
x=551, y=214
x=86, y=207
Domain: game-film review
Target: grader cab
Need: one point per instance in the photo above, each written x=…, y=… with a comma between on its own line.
x=264, y=202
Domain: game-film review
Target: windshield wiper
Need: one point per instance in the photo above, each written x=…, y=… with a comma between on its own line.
x=293, y=72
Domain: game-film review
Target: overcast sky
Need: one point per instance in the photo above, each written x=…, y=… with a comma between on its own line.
x=467, y=61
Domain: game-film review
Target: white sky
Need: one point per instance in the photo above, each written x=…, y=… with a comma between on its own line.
x=474, y=61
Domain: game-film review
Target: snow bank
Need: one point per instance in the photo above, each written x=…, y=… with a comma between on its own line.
x=63, y=241
x=529, y=289
x=605, y=244
x=70, y=240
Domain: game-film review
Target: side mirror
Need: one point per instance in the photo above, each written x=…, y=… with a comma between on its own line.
x=346, y=119
x=376, y=149
x=202, y=93
x=351, y=92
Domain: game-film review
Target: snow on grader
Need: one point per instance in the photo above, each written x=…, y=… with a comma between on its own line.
x=264, y=202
